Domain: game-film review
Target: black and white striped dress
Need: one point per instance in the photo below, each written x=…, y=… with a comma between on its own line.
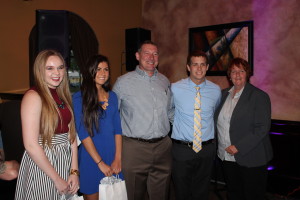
x=33, y=183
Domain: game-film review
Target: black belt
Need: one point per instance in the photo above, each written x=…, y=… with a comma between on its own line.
x=190, y=144
x=153, y=140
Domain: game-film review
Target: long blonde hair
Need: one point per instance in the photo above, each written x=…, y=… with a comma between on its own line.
x=50, y=112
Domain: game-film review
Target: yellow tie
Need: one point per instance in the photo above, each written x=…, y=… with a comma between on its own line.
x=197, y=122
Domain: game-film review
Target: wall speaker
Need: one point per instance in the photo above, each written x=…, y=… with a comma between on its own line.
x=133, y=38
x=53, y=31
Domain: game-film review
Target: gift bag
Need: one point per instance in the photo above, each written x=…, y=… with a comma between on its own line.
x=112, y=188
x=71, y=197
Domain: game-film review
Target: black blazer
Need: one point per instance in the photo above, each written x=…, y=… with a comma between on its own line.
x=249, y=126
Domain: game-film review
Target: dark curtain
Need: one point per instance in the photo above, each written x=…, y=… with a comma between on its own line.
x=32, y=53
x=83, y=40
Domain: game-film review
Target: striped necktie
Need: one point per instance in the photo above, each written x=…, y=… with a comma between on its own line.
x=197, y=122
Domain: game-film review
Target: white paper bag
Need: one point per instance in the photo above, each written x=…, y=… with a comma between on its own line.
x=112, y=188
x=71, y=197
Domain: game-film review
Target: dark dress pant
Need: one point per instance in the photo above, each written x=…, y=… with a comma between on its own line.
x=191, y=172
x=147, y=168
x=247, y=183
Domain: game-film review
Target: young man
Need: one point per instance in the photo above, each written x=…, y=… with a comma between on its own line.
x=195, y=100
x=145, y=107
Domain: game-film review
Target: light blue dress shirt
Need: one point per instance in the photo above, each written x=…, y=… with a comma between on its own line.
x=144, y=104
x=184, y=93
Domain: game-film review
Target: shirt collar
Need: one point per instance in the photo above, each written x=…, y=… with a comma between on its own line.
x=193, y=85
x=238, y=94
x=145, y=74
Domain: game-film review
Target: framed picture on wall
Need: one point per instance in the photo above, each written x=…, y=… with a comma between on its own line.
x=222, y=43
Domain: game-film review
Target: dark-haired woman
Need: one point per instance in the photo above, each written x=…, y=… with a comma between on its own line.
x=98, y=126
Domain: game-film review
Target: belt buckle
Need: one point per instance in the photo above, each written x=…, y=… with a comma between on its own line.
x=190, y=145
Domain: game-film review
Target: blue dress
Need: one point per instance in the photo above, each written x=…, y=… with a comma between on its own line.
x=104, y=141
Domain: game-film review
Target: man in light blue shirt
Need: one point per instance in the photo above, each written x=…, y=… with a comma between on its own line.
x=191, y=171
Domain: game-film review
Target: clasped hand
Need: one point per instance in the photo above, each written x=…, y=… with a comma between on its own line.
x=107, y=170
x=67, y=187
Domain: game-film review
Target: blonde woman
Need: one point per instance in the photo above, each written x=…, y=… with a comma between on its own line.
x=49, y=166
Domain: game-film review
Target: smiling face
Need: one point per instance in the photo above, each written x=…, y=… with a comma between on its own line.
x=238, y=76
x=197, y=68
x=54, y=71
x=148, y=58
x=102, y=74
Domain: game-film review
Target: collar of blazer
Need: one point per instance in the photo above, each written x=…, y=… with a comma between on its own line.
x=243, y=98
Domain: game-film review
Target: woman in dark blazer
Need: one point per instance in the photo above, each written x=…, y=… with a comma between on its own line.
x=243, y=122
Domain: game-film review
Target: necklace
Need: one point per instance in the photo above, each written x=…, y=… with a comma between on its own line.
x=56, y=98
x=105, y=103
x=61, y=105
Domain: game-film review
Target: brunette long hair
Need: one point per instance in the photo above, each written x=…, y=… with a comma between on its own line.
x=91, y=109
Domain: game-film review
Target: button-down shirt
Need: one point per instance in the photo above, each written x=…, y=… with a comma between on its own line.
x=223, y=124
x=184, y=93
x=144, y=104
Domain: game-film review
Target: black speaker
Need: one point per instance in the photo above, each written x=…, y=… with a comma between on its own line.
x=133, y=38
x=53, y=31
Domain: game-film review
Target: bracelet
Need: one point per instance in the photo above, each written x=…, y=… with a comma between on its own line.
x=99, y=162
x=74, y=172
